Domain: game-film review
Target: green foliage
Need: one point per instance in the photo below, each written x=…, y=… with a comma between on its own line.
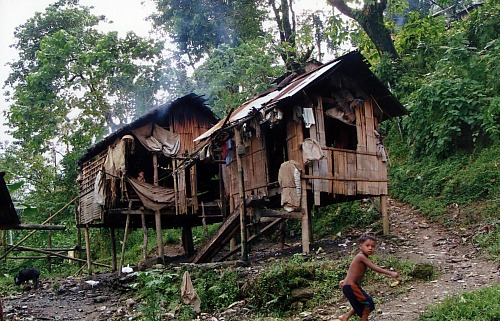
x=232, y=75
x=271, y=291
x=460, y=179
x=450, y=85
x=488, y=239
x=198, y=27
x=338, y=218
x=479, y=305
x=160, y=291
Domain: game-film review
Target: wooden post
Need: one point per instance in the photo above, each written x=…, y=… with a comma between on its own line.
x=176, y=190
x=49, y=243
x=187, y=240
x=122, y=257
x=87, y=248
x=305, y=218
x=144, y=235
x=78, y=252
x=241, y=181
x=159, y=237
x=385, y=215
x=113, y=250
x=204, y=219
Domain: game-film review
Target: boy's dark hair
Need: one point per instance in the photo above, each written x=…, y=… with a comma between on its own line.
x=365, y=237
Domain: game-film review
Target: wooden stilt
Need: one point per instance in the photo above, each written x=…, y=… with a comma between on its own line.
x=159, y=238
x=125, y=233
x=113, y=250
x=161, y=256
x=305, y=219
x=241, y=180
x=145, y=235
x=187, y=240
x=87, y=247
x=385, y=215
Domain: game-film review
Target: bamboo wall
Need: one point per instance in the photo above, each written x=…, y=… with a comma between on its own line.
x=89, y=211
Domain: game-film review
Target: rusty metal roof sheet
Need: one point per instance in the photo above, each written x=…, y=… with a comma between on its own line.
x=353, y=64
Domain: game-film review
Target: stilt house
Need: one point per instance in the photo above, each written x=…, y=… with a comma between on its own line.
x=312, y=140
x=141, y=176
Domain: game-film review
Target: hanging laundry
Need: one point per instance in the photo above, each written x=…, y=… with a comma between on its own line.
x=308, y=114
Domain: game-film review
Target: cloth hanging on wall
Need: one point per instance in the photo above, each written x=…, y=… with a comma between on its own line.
x=99, y=189
x=311, y=150
x=289, y=181
x=115, y=159
x=155, y=138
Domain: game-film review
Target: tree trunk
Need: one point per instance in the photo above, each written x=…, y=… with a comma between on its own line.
x=371, y=19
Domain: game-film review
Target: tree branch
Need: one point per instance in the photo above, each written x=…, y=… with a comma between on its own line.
x=343, y=8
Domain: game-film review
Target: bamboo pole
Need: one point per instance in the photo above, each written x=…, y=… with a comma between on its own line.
x=122, y=257
x=33, y=232
x=87, y=245
x=241, y=181
x=25, y=248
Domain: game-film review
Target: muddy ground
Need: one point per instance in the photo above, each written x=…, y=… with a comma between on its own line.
x=460, y=265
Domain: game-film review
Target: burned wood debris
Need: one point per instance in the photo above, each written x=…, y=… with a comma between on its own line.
x=312, y=140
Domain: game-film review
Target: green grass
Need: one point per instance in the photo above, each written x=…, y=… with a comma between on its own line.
x=480, y=305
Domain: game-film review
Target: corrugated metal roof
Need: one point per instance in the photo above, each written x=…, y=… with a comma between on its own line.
x=353, y=64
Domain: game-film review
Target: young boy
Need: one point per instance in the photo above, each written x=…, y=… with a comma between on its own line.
x=362, y=303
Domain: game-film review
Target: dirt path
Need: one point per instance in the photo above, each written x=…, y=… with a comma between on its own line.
x=412, y=237
x=459, y=263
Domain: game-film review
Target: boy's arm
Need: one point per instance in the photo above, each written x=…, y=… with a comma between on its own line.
x=378, y=269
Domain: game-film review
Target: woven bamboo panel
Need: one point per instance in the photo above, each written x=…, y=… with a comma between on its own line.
x=89, y=211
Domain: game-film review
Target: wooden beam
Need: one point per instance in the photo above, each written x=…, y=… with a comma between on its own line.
x=39, y=227
x=33, y=232
x=25, y=248
x=253, y=237
x=265, y=212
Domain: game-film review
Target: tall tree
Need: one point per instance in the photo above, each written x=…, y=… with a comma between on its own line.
x=199, y=26
x=71, y=85
x=371, y=18
x=67, y=68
